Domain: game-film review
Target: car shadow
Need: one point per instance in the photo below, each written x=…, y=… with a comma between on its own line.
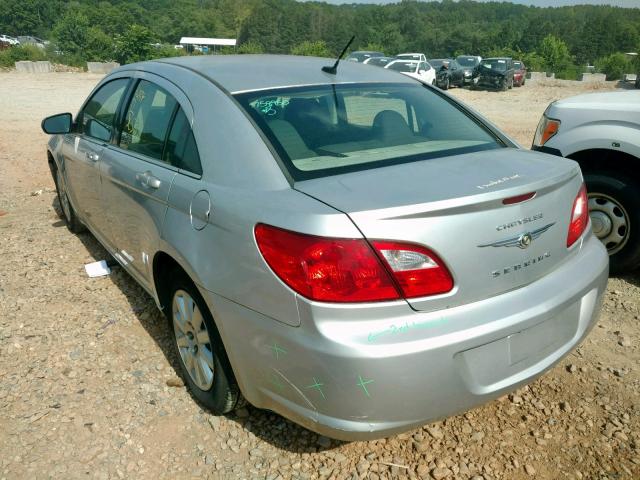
x=262, y=423
x=625, y=85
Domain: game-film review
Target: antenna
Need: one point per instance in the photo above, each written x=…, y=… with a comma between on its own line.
x=334, y=69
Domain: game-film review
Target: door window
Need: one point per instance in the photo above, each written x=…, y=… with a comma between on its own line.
x=147, y=120
x=97, y=119
x=181, y=150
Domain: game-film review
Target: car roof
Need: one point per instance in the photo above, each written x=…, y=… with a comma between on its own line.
x=240, y=73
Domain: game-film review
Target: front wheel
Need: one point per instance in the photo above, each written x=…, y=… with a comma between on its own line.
x=614, y=208
x=446, y=84
x=203, y=360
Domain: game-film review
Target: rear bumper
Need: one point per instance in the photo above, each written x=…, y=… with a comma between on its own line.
x=352, y=374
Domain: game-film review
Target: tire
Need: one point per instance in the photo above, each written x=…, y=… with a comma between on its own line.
x=510, y=84
x=68, y=213
x=614, y=206
x=505, y=86
x=208, y=375
x=446, y=84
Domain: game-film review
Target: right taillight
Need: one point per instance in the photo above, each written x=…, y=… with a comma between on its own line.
x=579, y=217
x=547, y=128
x=349, y=270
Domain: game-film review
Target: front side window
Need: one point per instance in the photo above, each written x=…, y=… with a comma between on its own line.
x=330, y=129
x=97, y=119
x=147, y=120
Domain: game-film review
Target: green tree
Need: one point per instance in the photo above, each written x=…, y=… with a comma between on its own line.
x=71, y=33
x=250, y=47
x=312, y=49
x=614, y=66
x=555, y=53
x=99, y=47
x=135, y=45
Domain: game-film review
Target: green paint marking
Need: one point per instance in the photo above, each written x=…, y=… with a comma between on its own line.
x=363, y=383
x=275, y=380
x=395, y=330
x=318, y=386
x=277, y=350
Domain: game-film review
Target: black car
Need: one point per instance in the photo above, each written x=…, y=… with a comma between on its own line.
x=469, y=65
x=448, y=73
x=362, y=55
x=495, y=73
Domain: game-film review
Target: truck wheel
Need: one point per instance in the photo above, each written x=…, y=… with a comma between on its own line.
x=614, y=208
x=203, y=360
x=68, y=213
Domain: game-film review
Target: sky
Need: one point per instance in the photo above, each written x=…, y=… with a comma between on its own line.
x=537, y=3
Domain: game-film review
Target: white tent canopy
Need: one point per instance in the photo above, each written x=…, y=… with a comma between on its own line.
x=223, y=42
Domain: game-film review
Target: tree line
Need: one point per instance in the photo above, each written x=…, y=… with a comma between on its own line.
x=558, y=39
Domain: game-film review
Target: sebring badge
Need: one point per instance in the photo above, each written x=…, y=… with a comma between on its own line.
x=521, y=241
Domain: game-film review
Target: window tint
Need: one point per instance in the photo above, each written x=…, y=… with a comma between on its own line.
x=98, y=117
x=325, y=130
x=147, y=120
x=181, y=150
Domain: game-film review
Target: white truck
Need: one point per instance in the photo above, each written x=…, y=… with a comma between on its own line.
x=601, y=131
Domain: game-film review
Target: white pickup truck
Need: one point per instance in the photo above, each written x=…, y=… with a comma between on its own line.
x=601, y=131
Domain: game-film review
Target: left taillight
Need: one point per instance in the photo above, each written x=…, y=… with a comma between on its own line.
x=349, y=270
x=579, y=217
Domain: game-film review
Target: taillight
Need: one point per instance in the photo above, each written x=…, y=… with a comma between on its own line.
x=547, y=128
x=579, y=217
x=418, y=271
x=348, y=270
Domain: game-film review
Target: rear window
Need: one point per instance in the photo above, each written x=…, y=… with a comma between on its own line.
x=331, y=129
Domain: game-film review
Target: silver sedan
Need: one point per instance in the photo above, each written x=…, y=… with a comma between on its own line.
x=356, y=251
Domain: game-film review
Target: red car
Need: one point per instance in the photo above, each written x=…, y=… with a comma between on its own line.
x=519, y=74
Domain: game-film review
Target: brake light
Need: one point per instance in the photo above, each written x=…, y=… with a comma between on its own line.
x=547, y=128
x=579, y=217
x=418, y=271
x=349, y=270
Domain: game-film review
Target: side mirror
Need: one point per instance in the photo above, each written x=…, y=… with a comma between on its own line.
x=97, y=130
x=57, y=124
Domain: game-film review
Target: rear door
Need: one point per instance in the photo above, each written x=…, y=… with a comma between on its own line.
x=138, y=173
x=82, y=152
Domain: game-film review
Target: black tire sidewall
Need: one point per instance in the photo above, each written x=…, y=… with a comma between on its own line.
x=625, y=191
x=223, y=395
x=73, y=223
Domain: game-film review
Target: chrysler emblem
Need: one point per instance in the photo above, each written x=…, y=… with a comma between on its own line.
x=521, y=241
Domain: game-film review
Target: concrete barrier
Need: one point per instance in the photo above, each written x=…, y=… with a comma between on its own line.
x=101, y=67
x=34, y=67
x=593, y=77
x=537, y=75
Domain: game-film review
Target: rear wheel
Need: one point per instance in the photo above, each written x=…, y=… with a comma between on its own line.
x=68, y=213
x=203, y=360
x=614, y=208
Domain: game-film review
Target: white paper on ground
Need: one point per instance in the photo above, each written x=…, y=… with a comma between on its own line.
x=97, y=269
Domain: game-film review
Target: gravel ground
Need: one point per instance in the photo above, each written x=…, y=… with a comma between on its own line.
x=87, y=389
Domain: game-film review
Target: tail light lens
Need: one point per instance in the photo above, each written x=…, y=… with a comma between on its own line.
x=579, y=217
x=547, y=128
x=349, y=270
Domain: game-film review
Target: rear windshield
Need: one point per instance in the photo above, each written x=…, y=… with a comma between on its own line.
x=495, y=64
x=468, y=61
x=330, y=129
x=403, y=66
x=517, y=65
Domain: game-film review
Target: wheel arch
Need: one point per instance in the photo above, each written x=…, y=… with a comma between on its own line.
x=163, y=267
x=601, y=160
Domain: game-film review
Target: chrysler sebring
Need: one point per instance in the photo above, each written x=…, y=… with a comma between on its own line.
x=354, y=250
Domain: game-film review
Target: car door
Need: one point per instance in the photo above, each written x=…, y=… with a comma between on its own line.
x=456, y=73
x=137, y=177
x=83, y=148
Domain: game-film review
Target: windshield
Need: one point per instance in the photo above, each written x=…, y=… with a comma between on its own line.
x=437, y=63
x=495, y=64
x=403, y=66
x=468, y=61
x=330, y=129
x=517, y=65
x=410, y=56
x=378, y=61
x=362, y=56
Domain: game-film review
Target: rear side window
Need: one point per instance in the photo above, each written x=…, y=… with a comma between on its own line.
x=97, y=119
x=181, y=150
x=147, y=120
x=331, y=129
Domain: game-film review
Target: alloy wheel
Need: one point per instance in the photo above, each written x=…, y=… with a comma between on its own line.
x=610, y=221
x=193, y=340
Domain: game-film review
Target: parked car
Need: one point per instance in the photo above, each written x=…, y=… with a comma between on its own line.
x=495, y=73
x=378, y=61
x=10, y=40
x=519, y=73
x=600, y=132
x=31, y=40
x=419, y=57
x=448, y=73
x=469, y=64
x=412, y=68
x=333, y=247
x=361, y=56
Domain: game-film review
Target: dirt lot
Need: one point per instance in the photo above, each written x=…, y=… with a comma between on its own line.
x=87, y=390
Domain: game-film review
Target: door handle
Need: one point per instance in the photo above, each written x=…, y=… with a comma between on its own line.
x=148, y=180
x=92, y=156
